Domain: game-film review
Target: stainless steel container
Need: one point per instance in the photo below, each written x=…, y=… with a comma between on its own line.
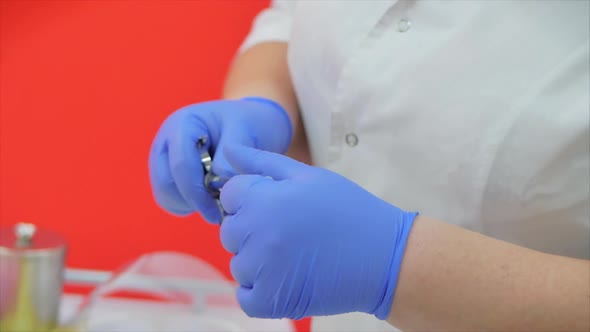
x=31, y=278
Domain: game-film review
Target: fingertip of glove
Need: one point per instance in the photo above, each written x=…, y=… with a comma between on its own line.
x=211, y=215
x=176, y=212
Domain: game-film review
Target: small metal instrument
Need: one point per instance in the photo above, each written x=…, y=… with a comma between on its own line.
x=211, y=181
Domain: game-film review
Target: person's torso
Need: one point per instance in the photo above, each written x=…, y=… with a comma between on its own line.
x=473, y=112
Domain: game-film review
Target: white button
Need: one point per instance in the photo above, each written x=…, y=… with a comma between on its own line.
x=403, y=25
x=351, y=139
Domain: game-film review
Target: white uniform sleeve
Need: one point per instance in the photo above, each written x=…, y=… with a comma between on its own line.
x=271, y=25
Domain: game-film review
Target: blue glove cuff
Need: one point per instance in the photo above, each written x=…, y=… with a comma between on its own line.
x=284, y=114
x=383, y=309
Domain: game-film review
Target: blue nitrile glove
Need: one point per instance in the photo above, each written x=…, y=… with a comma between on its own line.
x=307, y=241
x=175, y=168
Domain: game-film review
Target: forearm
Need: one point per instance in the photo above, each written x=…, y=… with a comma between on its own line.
x=455, y=279
x=262, y=71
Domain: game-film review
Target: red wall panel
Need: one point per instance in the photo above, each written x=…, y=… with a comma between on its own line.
x=84, y=85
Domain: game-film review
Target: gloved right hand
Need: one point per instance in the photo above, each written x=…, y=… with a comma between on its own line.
x=176, y=172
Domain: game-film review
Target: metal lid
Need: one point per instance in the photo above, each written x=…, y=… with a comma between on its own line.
x=26, y=236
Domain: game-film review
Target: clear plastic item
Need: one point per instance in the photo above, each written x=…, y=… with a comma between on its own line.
x=178, y=292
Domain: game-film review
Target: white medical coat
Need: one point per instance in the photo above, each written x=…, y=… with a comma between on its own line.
x=473, y=112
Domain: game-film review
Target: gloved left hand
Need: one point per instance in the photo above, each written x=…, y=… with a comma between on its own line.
x=308, y=242
x=175, y=167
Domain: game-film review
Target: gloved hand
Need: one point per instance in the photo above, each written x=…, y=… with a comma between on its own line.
x=175, y=168
x=308, y=242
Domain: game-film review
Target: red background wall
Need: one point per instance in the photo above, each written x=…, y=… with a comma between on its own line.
x=84, y=86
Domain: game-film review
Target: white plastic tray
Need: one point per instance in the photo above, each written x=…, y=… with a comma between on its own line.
x=197, y=298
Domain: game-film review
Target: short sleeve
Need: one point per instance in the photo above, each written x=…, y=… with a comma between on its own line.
x=273, y=24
